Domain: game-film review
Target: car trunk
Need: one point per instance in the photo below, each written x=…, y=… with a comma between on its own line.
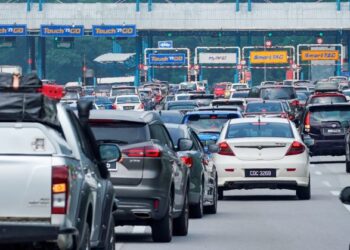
x=251, y=149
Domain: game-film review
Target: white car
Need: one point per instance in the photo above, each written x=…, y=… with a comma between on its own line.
x=262, y=153
x=128, y=102
x=182, y=97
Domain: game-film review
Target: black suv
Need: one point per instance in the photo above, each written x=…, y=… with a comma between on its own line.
x=151, y=182
x=326, y=125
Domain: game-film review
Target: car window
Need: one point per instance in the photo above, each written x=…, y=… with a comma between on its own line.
x=341, y=115
x=157, y=133
x=259, y=129
x=264, y=107
x=327, y=99
x=276, y=93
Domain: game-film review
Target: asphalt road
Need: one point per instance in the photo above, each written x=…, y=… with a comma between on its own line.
x=265, y=219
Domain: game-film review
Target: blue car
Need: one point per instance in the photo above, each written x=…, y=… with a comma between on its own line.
x=100, y=102
x=208, y=124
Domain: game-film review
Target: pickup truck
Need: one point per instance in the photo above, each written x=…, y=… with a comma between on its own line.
x=54, y=185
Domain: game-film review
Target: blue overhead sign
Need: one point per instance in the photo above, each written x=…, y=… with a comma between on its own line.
x=62, y=30
x=161, y=59
x=114, y=30
x=13, y=30
x=165, y=44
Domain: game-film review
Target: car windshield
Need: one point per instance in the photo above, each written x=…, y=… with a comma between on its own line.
x=182, y=107
x=284, y=93
x=183, y=97
x=259, y=129
x=301, y=96
x=327, y=99
x=171, y=118
x=240, y=94
x=341, y=114
x=258, y=107
x=210, y=122
x=116, y=92
x=119, y=132
x=128, y=99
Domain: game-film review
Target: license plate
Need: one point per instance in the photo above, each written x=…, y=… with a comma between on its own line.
x=128, y=107
x=260, y=173
x=334, y=131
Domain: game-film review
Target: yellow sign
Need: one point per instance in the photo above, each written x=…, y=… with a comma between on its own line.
x=268, y=57
x=319, y=55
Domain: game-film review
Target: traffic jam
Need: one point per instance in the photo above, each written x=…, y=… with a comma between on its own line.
x=80, y=161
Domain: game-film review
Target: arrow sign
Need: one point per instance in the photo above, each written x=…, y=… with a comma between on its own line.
x=165, y=44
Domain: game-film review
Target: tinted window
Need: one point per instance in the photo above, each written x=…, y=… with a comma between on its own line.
x=330, y=115
x=176, y=134
x=157, y=133
x=171, y=118
x=277, y=93
x=128, y=99
x=182, y=107
x=116, y=92
x=220, y=86
x=328, y=99
x=240, y=94
x=264, y=107
x=120, y=132
x=183, y=97
x=208, y=122
x=263, y=129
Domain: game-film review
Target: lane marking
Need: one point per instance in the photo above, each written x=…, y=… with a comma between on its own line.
x=335, y=192
x=139, y=230
x=326, y=183
x=318, y=172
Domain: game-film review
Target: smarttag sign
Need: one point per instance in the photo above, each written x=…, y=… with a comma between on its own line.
x=114, y=30
x=319, y=55
x=268, y=57
x=161, y=59
x=61, y=30
x=165, y=44
x=13, y=30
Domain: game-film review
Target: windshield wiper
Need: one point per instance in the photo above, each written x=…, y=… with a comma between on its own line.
x=113, y=141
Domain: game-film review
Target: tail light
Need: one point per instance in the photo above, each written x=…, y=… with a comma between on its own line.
x=59, y=189
x=187, y=161
x=148, y=151
x=141, y=106
x=307, y=122
x=114, y=106
x=296, y=148
x=295, y=103
x=224, y=149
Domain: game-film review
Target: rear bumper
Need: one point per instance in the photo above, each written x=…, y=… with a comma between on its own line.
x=260, y=184
x=15, y=233
x=328, y=147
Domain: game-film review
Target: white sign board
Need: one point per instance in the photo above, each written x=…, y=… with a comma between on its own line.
x=217, y=58
x=165, y=44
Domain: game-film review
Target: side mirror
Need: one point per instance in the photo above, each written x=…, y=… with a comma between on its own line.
x=345, y=196
x=213, y=148
x=184, y=144
x=109, y=153
x=308, y=140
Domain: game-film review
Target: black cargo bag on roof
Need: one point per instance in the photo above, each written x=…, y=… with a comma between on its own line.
x=25, y=103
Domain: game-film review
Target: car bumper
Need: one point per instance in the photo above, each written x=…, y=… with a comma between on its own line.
x=289, y=173
x=23, y=233
x=328, y=147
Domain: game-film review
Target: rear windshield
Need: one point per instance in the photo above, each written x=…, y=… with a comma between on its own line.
x=220, y=86
x=263, y=107
x=169, y=98
x=277, y=93
x=328, y=99
x=182, y=107
x=171, y=118
x=240, y=94
x=340, y=115
x=262, y=129
x=119, y=132
x=209, y=123
x=227, y=103
x=128, y=99
x=183, y=97
x=116, y=92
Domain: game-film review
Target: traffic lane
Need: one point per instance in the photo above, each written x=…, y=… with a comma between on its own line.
x=267, y=219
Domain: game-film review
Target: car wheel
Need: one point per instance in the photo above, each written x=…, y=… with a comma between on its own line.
x=196, y=210
x=111, y=235
x=162, y=230
x=304, y=193
x=181, y=223
x=85, y=239
x=220, y=193
x=212, y=209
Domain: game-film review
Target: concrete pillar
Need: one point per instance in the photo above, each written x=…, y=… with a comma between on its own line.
x=41, y=58
x=30, y=54
x=138, y=59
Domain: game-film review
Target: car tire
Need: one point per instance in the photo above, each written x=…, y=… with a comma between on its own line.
x=220, y=194
x=196, y=211
x=162, y=230
x=212, y=209
x=85, y=239
x=304, y=193
x=181, y=223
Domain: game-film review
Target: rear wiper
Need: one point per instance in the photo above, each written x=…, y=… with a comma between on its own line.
x=114, y=141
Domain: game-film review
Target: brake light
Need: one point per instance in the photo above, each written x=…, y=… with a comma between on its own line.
x=284, y=115
x=141, y=106
x=59, y=189
x=295, y=103
x=296, y=148
x=114, y=106
x=148, y=151
x=224, y=149
x=187, y=161
x=307, y=122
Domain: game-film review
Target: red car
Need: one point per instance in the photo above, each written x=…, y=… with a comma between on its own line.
x=219, y=90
